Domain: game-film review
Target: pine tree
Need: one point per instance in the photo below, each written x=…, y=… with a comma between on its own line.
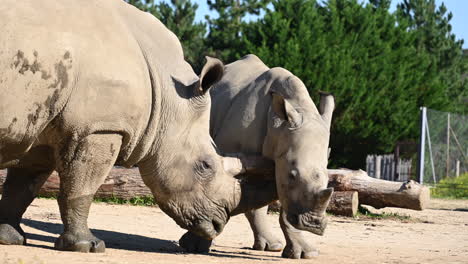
x=365, y=56
x=179, y=17
x=226, y=30
x=430, y=25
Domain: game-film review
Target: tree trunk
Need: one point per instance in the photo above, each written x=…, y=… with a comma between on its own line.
x=380, y=193
x=344, y=203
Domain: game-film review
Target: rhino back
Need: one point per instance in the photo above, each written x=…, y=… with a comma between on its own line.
x=240, y=105
x=82, y=60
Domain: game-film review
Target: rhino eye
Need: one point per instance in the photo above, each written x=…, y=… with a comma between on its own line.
x=293, y=175
x=205, y=167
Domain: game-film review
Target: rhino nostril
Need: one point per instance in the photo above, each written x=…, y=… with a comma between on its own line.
x=293, y=219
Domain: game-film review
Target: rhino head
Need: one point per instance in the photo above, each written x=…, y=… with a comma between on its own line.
x=297, y=140
x=190, y=180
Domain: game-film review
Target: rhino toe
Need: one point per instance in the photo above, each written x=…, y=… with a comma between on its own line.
x=67, y=242
x=263, y=244
x=298, y=252
x=11, y=236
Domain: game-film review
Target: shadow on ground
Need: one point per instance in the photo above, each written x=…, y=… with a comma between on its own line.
x=124, y=241
x=116, y=240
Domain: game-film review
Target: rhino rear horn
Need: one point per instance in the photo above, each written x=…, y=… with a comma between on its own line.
x=326, y=107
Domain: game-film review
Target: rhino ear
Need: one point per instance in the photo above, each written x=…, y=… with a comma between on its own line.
x=211, y=73
x=285, y=111
x=326, y=107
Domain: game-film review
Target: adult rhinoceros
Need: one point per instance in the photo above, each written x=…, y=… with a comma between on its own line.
x=269, y=112
x=87, y=84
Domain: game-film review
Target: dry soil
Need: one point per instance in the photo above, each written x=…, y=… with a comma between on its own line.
x=136, y=234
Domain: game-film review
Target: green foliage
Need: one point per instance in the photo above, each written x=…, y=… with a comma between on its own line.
x=226, y=30
x=430, y=27
x=179, y=17
x=381, y=66
x=139, y=201
x=456, y=188
x=367, y=57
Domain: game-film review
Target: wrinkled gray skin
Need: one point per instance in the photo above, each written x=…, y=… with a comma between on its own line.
x=88, y=84
x=266, y=111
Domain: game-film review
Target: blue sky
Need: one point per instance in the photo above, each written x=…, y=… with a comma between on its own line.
x=459, y=9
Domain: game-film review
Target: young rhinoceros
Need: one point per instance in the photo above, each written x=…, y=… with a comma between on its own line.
x=86, y=84
x=266, y=111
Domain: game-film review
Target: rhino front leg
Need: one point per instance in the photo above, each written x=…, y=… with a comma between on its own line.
x=263, y=238
x=20, y=189
x=296, y=246
x=83, y=170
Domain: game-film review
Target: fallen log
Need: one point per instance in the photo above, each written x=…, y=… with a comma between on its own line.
x=344, y=203
x=121, y=183
x=380, y=193
x=127, y=183
x=341, y=203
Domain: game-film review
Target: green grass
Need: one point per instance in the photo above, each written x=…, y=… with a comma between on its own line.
x=365, y=213
x=137, y=201
x=452, y=188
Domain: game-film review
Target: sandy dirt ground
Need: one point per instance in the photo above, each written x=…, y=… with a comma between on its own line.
x=135, y=234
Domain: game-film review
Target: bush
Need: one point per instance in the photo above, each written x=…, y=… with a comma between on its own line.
x=452, y=188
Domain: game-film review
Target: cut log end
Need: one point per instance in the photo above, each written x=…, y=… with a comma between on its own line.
x=344, y=203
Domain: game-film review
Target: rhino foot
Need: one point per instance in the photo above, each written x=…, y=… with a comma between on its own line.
x=10, y=235
x=267, y=244
x=299, y=250
x=194, y=243
x=86, y=243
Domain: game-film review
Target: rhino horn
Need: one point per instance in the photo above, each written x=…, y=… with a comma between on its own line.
x=324, y=197
x=254, y=165
x=326, y=107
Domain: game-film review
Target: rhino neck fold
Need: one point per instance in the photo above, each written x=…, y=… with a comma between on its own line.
x=148, y=137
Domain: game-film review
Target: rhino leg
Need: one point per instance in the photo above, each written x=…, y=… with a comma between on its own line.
x=82, y=170
x=263, y=238
x=296, y=246
x=19, y=190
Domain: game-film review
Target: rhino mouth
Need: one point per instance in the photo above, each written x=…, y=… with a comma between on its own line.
x=308, y=222
x=208, y=229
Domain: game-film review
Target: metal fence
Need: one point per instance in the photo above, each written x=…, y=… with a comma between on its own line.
x=443, y=146
x=385, y=167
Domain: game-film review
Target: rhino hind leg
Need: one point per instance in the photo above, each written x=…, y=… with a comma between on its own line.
x=264, y=240
x=19, y=190
x=82, y=170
